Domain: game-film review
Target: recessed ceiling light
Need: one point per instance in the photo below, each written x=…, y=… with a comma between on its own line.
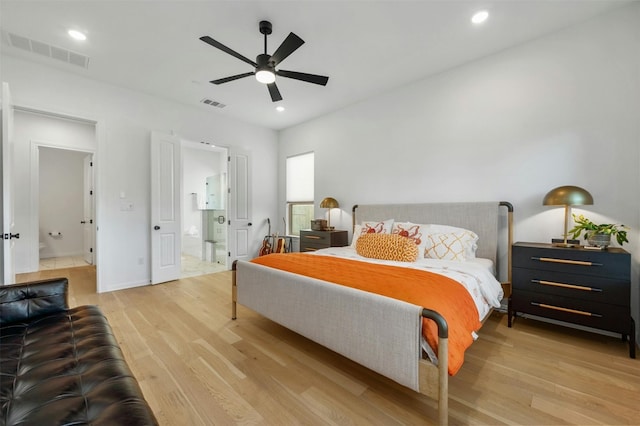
x=279, y=108
x=77, y=35
x=480, y=17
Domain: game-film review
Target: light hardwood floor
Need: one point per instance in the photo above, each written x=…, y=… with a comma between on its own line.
x=198, y=367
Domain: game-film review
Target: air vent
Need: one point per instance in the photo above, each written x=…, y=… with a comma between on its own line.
x=45, y=49
x=213, y=103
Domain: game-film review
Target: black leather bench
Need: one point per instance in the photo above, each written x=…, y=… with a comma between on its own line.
x=61, y=366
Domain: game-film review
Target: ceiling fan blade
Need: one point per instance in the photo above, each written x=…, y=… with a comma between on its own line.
x=309, y=78
x=225, y=49
x=288, y=46
x=231, y=78
x=274, y=92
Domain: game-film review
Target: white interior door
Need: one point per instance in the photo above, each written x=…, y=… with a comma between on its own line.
x=8, y=235
x=88, y=208
x=166, y=241
x=239, y=231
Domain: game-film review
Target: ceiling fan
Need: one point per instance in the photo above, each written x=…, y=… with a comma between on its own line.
x=265, y=65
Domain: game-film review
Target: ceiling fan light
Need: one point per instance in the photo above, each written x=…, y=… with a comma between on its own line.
x=265, y=76
x=479, y=17
x=77, y=35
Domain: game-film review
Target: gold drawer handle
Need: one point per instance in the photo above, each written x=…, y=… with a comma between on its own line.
x=572, y=311
x=313, y=237
x=568, y=261
x=309, y=249
x=572, y=286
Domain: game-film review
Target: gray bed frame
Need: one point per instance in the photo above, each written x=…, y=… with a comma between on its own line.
x=262, y=289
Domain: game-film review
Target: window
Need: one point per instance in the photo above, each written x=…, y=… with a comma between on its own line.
x=299, y=192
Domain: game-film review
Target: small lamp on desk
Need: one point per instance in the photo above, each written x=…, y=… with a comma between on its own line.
x=329, y=203
x=567, y=196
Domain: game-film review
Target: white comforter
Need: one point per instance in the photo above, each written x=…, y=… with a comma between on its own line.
x=475, y=275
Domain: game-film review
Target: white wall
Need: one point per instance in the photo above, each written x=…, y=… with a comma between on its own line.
x=61, y=202
x=125, y=119
x=560, y=110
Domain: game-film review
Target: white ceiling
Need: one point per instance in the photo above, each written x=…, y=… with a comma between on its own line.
x=365, y=47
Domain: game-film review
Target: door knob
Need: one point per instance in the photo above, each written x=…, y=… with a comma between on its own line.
x=83, y=221
x=156, y=227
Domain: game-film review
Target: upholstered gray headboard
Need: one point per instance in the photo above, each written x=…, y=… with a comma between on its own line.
x=479, y=217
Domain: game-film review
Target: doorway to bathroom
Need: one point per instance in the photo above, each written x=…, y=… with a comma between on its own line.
x=204, y=208
x=66, y=208
x=54, y=206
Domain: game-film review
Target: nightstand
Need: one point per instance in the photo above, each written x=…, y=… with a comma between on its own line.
x=575, y=285
x=314, y=240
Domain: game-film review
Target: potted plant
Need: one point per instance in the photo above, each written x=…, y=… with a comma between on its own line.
x=598, y=235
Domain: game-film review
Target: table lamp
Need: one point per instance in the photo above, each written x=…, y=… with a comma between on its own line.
x=567, y=196
x=329, y=203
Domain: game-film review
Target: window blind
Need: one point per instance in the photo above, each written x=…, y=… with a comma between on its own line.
x=300, y=178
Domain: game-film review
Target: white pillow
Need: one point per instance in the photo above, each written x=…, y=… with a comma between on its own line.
x=458, y=245
x=357, y=230
x=443, y=229
x=383, y=227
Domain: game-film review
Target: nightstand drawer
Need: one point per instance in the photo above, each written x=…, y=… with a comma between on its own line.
x=589, y=314
x=315, y=238
x=583, y=287
x=576, y=261
x=307, y=246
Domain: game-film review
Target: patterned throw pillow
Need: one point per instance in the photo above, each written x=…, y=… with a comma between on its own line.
x=387, y=247
x=471, y=240
x=450, y=246
x=382, y=227
x=413, y=231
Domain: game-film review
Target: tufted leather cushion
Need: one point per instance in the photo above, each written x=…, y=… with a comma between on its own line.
x=66, y=368
x=29, y=300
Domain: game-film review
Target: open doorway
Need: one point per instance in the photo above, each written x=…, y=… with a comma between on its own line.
x=65, y=201
x=53, y=146
x=204, y=209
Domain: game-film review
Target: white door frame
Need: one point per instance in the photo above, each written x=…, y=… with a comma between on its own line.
x=7, y=270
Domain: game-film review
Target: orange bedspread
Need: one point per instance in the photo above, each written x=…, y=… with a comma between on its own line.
x=429, y=290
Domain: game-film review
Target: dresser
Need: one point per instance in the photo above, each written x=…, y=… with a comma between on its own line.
x=591, y=288
x=314, y=240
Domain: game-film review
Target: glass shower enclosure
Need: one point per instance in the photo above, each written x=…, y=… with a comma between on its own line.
x=214, y=219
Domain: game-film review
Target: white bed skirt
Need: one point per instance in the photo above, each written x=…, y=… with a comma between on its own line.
x=378, y=332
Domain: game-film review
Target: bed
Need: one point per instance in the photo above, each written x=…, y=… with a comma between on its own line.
x=406, y=338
